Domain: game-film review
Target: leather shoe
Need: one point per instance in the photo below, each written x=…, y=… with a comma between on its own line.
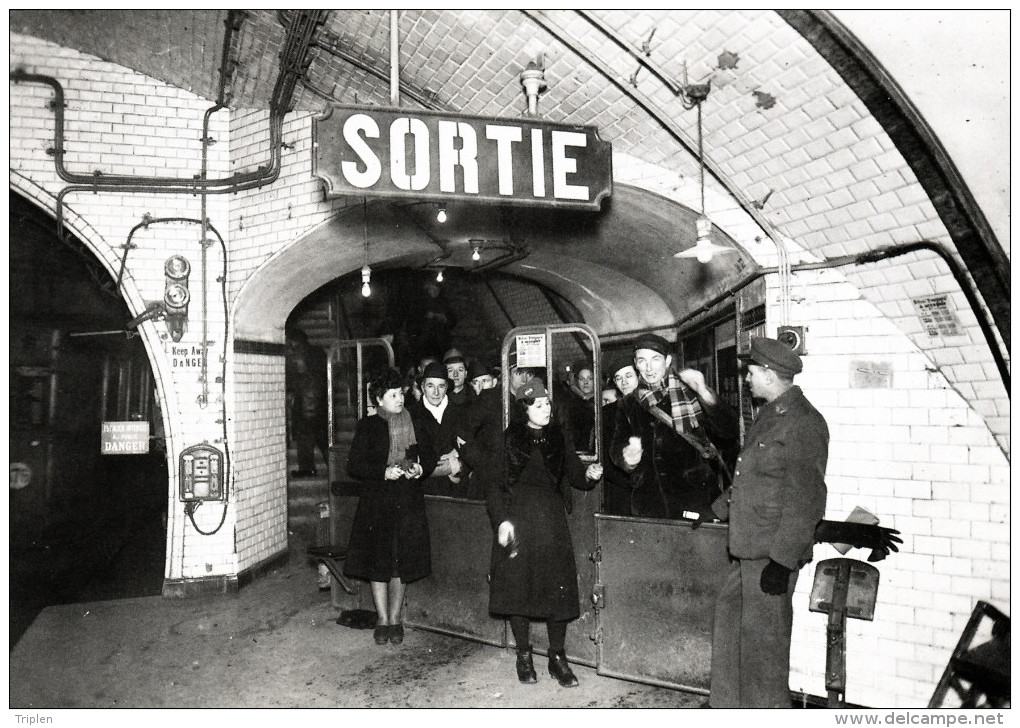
x=560, y=669
x=526, y=666
x=381, y=634
x=396, y=633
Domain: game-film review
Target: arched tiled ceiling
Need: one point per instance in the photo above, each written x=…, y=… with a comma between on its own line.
x=799, y=120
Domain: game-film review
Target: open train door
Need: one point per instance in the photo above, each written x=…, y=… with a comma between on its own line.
x=551, y=350
x=352, y=365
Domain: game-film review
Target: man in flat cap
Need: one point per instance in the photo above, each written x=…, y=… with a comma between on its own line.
x=672, y=435
x=773, y=507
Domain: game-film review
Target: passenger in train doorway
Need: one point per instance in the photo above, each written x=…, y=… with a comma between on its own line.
x=480, y=429
x=622, y=380
x=307, y=401
x=456, y=372
x=578, y=406
x=389, y=544
x=773, y=507
x=435, y=415
x=533, y=572
x=673, y=435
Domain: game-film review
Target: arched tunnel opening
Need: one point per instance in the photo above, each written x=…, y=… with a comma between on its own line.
x=86, y=522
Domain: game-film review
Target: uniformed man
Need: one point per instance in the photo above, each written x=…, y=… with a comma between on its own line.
x=773, y=507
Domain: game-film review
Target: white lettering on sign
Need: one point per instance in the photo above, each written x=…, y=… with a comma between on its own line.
x=449, y=157
x=538, y=162
x=504, y=136
x=564, y=165
x=419, y=133
x=427, y=155
x=373, y=168
x=124, y=438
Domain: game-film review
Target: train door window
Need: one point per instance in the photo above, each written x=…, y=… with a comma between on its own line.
x=566, y=358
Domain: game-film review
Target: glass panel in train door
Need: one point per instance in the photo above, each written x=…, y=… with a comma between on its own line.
x=549, y=350
x=352, y=365
x=657, y=583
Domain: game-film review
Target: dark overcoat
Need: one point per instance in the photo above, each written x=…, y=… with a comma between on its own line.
x=672, y=476
x=480, y=427
x=390, y=535
x=533, y=493
x=442, y=437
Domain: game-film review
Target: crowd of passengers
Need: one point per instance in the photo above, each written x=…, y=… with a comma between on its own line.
x=671, y=450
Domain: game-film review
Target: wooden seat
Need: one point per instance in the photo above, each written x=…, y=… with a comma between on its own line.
x=981, y=672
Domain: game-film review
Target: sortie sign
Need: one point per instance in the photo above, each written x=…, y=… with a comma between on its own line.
x=425, y=155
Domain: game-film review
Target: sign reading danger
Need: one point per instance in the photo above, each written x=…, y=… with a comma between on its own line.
x=125, y=438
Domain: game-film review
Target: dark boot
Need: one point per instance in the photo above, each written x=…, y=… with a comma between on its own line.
x=559, y=668
x=526, y=665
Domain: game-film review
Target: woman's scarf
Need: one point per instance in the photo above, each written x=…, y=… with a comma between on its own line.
x=401, y=434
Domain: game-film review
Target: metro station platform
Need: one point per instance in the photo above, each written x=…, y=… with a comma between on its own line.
x=275, y=644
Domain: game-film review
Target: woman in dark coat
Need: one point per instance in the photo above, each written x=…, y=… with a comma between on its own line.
x=389, y=544
x=533, y=573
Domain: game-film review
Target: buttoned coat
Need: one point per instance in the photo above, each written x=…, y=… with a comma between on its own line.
x=778, y=492
x=390, y=534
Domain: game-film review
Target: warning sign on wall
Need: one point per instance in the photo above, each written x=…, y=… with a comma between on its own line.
x=125, y=438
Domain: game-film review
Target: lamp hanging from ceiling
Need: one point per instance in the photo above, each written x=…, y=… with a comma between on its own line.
x=366, y=272
x=704, y=248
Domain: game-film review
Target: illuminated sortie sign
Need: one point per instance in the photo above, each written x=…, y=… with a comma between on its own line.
x=425, y=155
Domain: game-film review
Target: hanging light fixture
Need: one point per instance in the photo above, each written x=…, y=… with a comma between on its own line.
x=439, y=276
x=441, y=217
x=476, y=254
x=704, y=248
x=366, y=272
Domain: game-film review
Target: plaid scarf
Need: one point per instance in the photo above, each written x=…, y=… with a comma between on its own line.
x=686, y=407
x=683, y=403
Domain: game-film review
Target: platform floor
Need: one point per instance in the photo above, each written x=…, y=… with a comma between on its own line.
x=275, y=644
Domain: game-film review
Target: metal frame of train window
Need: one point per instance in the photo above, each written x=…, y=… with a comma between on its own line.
x=547, y=330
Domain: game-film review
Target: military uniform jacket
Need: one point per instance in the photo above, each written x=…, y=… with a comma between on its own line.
x=778, y=492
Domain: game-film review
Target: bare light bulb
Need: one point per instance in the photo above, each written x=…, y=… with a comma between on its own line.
x=475, y=255
x=704, y=254
x=366, y=276
x=441, y=217
x=439, y=277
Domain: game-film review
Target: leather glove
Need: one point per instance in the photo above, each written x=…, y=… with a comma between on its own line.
x=706, y=516
x=775, y=578
x=860, y=535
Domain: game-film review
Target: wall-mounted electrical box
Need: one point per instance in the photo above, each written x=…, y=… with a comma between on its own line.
x=201, y=474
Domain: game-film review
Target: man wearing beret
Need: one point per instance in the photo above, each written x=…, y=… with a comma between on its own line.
x=773, y=507
x=671, y=435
